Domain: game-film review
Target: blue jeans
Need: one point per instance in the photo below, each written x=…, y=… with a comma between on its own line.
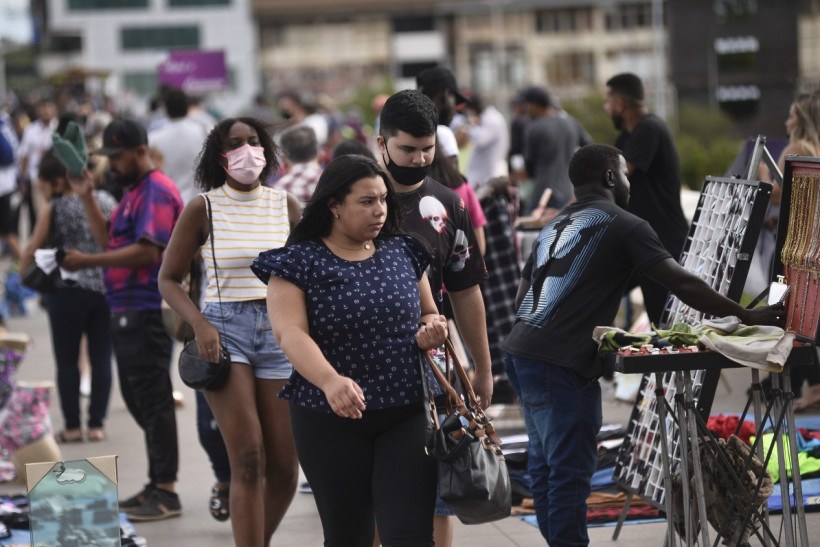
x=245, y=330
x=562, y=412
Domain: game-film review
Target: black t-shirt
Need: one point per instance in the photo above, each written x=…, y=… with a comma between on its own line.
x=595, y=247
x=655, y=182
x=436, y=217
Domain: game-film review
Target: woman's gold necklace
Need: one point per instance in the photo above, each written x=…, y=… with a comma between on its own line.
x=367, y=246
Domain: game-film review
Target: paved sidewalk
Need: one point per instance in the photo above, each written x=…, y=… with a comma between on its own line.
x=301, y=526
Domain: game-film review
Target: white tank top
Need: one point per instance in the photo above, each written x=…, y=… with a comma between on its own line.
x=244, y=225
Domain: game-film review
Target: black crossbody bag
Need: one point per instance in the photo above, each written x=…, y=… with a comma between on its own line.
x=195, y=371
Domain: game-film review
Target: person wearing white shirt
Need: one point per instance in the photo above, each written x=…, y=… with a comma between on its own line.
x=490, y=140
x=35, y=143
x=180, y=142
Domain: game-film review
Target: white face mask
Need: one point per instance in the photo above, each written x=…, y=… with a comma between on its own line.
x=245, y=163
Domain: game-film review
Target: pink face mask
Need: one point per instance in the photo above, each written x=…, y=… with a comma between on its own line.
x=245, y=163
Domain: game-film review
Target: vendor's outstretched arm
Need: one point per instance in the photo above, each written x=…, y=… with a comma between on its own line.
x=694, y=292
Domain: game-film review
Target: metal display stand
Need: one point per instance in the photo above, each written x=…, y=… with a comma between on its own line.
x=798, y=256
x=718, y=249
x=688, y=418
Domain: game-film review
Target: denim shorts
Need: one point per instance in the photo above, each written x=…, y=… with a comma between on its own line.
x=246, y=332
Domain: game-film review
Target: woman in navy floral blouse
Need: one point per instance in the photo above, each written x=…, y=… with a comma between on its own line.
x=346, y=296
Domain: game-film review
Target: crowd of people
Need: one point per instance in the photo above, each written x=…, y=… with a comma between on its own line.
x=328, y=263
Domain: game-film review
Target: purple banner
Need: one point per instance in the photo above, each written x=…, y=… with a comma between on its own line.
x=195, y=71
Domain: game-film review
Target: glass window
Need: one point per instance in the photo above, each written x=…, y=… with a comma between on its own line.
x=78, y=5
x=571, y=69
x=160, y=37
x=563, y=20
x=65, y=43
x=186, y=3
x=413, y=24
x=629, y=16
x=143, y=84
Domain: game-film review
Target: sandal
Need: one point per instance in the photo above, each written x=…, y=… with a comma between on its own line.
x=96, y=434
x=64, y=437
x=220, y=502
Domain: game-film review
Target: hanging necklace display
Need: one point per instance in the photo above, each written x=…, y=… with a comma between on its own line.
x=800, y=248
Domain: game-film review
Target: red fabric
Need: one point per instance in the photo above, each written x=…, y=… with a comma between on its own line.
x=809, y=434
x=610, y=514
x=724, y=426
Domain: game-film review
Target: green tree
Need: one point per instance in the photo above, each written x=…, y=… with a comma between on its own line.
x=707, y=143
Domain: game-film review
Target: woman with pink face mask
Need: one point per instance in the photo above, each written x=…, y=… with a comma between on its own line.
x=247, y=218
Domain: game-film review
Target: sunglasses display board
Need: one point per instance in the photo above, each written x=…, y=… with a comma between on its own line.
x=718, y=250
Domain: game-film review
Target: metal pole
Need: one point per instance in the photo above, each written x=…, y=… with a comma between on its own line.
x=659, y=57
x=666, y=458
x=757, y=393
x=3, y=90
x=791, y=431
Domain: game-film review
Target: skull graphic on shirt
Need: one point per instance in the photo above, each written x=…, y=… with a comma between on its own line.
x=461, y=252
x=434, y=212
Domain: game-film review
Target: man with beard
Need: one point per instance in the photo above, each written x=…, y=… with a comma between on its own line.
x=140, y=229
x=654, y=174
x=439, y=84
x=573, y=282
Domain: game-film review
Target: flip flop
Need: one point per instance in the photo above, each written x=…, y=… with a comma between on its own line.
x=63, y=438
x=220, y=503
x=96, y=434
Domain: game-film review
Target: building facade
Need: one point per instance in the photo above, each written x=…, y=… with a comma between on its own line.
x=495, y=46
x=747, y=57
x=129, y=39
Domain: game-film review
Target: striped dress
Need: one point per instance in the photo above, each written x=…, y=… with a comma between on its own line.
x=244, y=224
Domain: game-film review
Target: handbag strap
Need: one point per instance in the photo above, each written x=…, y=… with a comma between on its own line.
x=428, y=399
x=213, y=258
x=479, y=423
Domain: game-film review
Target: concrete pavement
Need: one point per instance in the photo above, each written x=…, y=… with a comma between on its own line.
x=301, y=526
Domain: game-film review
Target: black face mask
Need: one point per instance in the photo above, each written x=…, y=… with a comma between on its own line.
x=407, y=176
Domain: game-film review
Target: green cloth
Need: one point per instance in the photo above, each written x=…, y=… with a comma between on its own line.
x=70, y=149
x=805, y=462
x=612, y=339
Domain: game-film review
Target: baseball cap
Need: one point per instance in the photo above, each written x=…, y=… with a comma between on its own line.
x=438, y=78
x=121, y=134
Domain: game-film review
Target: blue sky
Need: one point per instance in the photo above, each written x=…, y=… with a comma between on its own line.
x=16, y=20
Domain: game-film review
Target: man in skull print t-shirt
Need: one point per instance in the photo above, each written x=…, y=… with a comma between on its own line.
x=436, y=217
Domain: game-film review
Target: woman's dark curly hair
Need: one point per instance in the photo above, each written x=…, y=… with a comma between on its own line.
x=209, y=172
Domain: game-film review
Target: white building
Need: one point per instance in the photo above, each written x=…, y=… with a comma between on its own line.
x=129, y=39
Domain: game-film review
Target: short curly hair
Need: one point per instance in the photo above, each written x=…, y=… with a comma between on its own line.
x=410, y=111
x=590, y=163
x=209, y=172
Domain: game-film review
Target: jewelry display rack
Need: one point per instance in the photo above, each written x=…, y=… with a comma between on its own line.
x=645, y=464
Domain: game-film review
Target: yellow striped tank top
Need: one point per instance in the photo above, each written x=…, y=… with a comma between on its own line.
x=244, y=224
